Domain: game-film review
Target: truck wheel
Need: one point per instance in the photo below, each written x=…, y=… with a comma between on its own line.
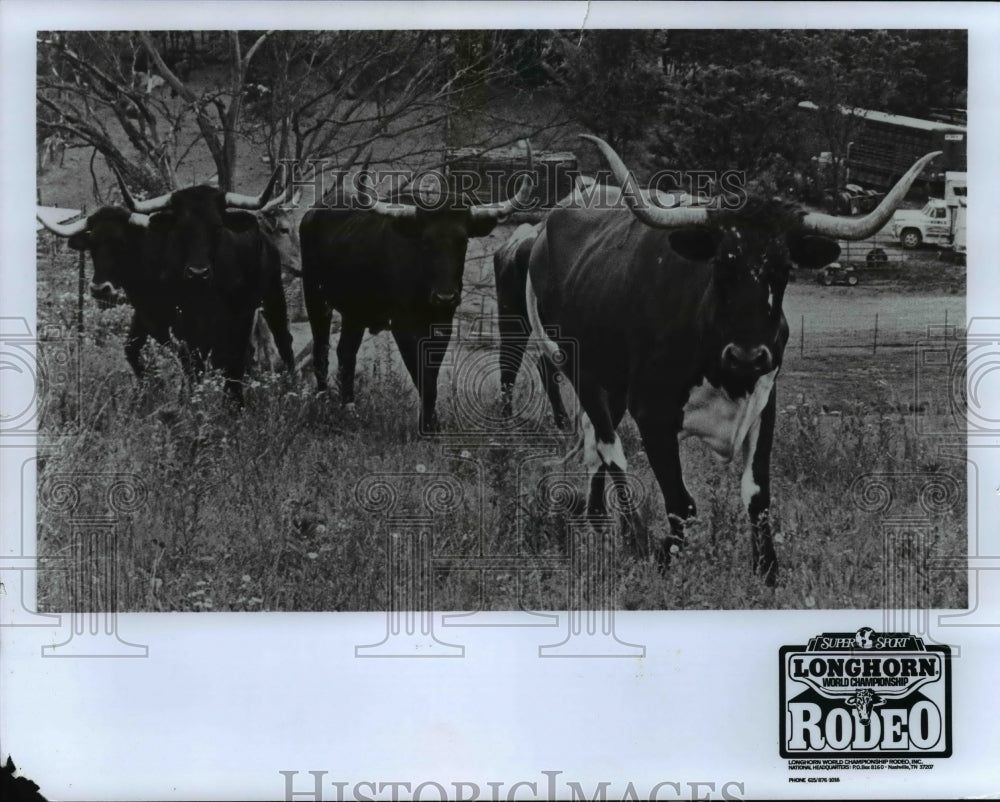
x=910, y=238
x=852, y=280
x=826, y=278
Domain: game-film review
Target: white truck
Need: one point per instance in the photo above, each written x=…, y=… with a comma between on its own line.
x=940, y=222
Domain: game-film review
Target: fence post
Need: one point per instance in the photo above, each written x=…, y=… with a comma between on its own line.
x=802, y=336
x=875, y=338
x=81, y=279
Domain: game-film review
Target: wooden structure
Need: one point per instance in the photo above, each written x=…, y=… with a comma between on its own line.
x=494, y=173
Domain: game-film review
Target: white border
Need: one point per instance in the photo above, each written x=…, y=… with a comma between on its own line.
x=224, y=702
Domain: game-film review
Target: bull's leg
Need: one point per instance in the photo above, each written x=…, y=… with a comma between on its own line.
x=347, y=359
x=134, y=340
x=276, y=315
x=512, y=345
x=425, y=373
x=603, y=455
x=232, y=350
x=550, y=381
x=755, y=490
x=192, y=360
x=659, y=439
x=319, y=322
x=633, y=536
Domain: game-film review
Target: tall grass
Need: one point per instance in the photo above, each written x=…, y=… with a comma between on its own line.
x=260, y=510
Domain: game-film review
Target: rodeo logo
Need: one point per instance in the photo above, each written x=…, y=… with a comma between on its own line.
x=865, y=694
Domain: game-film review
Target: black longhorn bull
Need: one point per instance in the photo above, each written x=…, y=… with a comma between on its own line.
x=395, y=266
x=126, y=250
x=676, y=315
x=226, y=268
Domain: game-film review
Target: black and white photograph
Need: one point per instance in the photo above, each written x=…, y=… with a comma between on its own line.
x=658, y=340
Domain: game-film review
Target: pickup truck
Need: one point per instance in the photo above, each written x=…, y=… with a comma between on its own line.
x=940, y=222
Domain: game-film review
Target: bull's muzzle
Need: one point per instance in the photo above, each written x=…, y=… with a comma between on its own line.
x=198, y=272
x=103, y=293
x=444, y=299
x=755, y=361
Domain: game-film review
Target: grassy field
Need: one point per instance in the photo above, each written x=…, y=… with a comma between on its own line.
x=286, y=506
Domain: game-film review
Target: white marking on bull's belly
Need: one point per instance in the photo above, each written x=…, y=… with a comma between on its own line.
x=720, y=421
x=613, y=453
x=596, y=453
x=591, y=459
x=537, y=329
x=748, y=487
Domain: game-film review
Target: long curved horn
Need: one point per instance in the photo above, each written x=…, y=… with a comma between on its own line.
x=859, y=228
x=234, y=200
x=650, y=214
x=284, y=201
x=399, y=210
x=496, y=211
x=274, y=203
x=67, y=230
x=143, y=207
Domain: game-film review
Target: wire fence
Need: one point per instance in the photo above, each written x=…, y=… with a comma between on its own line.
x=871, y=338
x=819, y=318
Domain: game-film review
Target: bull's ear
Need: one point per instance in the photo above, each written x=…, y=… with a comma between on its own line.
x=481, y=226
x=695, y=244
x=80, y=242
x=161, y=221
x=809, y=251
x=409, y=226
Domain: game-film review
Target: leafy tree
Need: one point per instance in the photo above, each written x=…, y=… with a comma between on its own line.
x=843, y=71
x=611, y=82
x=937, y=74
x=719, y=117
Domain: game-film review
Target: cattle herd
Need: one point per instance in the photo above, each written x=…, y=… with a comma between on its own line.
x=675, y=313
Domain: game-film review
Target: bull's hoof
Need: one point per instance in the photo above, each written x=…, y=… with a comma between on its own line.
x=665, y=550
x=768, y=572
x=350, y=408
x=167, y=414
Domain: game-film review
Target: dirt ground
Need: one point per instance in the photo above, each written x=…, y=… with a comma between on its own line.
x=847, y=313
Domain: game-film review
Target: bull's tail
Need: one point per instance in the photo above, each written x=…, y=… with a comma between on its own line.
x=551, y=350
x=537, y=329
